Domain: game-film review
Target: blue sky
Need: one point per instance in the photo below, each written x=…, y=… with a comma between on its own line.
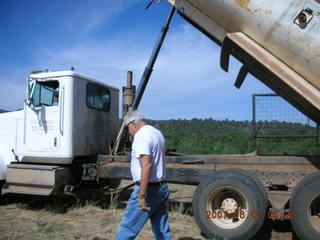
x=105, y=39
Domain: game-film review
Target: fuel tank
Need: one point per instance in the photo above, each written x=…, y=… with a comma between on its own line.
x=288, y=29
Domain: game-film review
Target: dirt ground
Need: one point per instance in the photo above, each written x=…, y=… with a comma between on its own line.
x=43, y=218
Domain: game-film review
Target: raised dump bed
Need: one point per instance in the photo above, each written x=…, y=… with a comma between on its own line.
x=276, y=41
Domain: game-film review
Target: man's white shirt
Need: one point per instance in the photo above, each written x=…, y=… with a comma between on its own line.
x=148, y=141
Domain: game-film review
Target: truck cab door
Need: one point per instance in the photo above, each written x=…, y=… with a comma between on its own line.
x=42, y=117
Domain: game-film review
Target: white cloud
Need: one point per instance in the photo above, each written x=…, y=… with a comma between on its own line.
x=94, y=13
x=187, y=80
x=12, y=86
x=107, y=61
x=12, y=95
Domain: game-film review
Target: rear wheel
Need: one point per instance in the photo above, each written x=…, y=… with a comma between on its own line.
x=305, y=203
x=230, y=204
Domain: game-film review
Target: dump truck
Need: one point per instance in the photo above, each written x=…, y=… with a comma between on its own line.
x=68, y=132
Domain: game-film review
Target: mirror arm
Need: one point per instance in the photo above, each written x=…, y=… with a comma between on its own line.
x=32, y=82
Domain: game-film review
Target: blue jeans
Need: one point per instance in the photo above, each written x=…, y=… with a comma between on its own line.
x=134, y=218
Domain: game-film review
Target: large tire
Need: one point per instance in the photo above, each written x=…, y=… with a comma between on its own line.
x=305, y=203
x=236, y=202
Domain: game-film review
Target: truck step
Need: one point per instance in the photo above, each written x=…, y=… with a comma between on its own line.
x=34, y=179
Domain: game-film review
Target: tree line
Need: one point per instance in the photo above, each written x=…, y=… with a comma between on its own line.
x=208, y=136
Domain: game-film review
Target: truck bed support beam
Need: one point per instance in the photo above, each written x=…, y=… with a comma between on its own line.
x=149, y=68
x=144, y=79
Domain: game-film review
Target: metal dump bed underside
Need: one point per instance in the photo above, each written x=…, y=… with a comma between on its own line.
x=271, y=64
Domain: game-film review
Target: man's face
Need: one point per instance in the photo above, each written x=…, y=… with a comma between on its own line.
x=132, y=128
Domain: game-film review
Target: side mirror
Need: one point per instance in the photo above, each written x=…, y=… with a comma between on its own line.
x=29, y=101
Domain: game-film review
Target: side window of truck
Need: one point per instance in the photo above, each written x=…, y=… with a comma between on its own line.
x=98, y=97
x=46, y=94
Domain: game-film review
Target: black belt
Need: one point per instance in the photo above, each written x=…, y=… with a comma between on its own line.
x=153, y=183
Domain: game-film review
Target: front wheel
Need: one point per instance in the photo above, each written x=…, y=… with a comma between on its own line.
x=230, y=204
x=305, y=202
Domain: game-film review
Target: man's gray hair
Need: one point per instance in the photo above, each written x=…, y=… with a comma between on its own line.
x=133, y=115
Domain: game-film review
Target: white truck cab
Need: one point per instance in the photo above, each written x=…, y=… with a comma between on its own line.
x=67, y=119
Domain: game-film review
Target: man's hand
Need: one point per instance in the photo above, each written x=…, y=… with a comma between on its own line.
x=142, y=203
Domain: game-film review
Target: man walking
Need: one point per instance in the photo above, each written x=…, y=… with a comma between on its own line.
x=150, y=196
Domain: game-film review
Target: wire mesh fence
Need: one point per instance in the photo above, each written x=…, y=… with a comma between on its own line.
x=280, y=129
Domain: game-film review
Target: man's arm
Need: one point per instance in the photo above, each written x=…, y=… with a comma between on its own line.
x=146, y=165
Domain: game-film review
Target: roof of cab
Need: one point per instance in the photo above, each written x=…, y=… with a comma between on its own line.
x=69, y=73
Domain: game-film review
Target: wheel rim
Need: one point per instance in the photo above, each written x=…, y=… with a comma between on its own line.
x=314, y=213
x=228, y=207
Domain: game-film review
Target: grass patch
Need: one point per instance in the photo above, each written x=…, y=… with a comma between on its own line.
x=86, y=221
